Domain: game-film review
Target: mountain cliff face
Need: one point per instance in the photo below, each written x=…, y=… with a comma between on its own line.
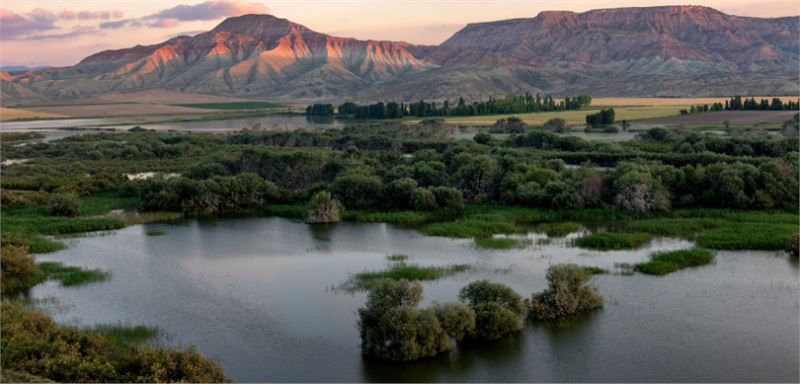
x=657, y=51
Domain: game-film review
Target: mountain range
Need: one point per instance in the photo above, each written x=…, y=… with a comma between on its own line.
x=653, y=51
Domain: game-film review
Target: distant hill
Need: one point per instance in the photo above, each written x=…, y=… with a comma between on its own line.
x=15, y=68
x=654, y=51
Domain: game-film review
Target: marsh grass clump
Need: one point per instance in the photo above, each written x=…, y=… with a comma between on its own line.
x=498, y=309
x=398, y=257
x=672, y=227
x=400, y=270
x=566, y=295
x=747, y=235
x=125, y=335
x=70, y=275
x=662, y=263
x=393, y=328
x=155, y=232
x=323, y=208
x=501, y=242
x=612, y=240
x=558, y=229
x=64, y=204
x=471, y=227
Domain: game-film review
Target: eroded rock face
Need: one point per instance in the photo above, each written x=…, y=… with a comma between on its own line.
x=656, y=51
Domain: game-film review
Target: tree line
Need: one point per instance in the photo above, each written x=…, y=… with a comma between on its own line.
x=510, y=104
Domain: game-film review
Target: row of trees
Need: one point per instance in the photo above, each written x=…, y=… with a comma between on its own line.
x=392, y=327
x=509, y=104
x=737, y=103
x=604, y=117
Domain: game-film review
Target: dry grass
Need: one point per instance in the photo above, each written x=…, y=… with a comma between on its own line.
x=574, y=117
x=19, y=113
x=664, y=101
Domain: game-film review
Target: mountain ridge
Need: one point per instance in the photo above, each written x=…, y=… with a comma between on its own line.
x=649, y=51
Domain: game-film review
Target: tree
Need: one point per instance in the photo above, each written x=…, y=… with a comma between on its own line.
x=498, y=309
x=323, y=209
x=449, y=201
x=566, y=294
x=457, y=319
x=392, y=328
x=398, y=192
x=482, y=138
x=359, y=190
x=558, y=125
x=64, y=204
x=422, y=199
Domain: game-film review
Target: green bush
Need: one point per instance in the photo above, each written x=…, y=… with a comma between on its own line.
x=64, y=204
x=392, y=328
x=323, y=209
x=19, y=271
x=457, y=319
x=662, y=263
x=498, y=309
x=566, y=294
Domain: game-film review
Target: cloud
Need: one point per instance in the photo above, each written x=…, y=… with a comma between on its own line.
x=67, y=14
x=77, y=31
x=171, y=17
x=211, y=10
x=14, y=25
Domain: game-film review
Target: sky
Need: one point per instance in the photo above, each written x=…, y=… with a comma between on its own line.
x=60, y=33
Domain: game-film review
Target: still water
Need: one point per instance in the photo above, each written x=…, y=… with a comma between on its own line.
x=259, y=295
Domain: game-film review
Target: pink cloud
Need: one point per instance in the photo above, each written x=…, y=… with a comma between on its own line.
x=67, y=14
x=171, y=17
x=14, y=25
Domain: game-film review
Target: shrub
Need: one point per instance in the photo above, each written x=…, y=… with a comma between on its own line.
x=422, y=199
x=457, y=319
x=19, y=271
x=35, y=345
x=392, y=328
x=793, y=245
x=662, y=263
x=64, y=204
x=556, y=125
x=450, y=201
x=498, y=309
x=566, y=294
x=323, y=209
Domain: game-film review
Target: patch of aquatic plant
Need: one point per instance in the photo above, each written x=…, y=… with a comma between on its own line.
x=747, y=235
x=71, y=275
x=625, y=269
x=612, y=240
x=501, y=242
x=393, y=217
x=672, y=227
x=155, y=232
x=558, y=229
x=592, y=270
x=566, y=295
x=132, y=218
x=470, y=228
x=125, y=335
x=397, y=257
x=401, y=271
x=662, y=263
x=544, y=241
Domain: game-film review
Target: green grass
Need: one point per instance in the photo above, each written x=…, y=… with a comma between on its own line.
x=747, y=235
x=69, y=275
x=100, y=203
x=672, y=227
x=613, y=240
x=393, y=217
x=233, y=105
x=471, y=227
x=401, y=271
x=558, y=229
x=155, y=232
x=126, y=335
x=294, y=211
x=501, y=242
x=662, y=263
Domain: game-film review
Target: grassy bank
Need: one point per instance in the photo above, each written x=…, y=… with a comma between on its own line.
x=70, y=275
x=612, y=241
x=662, y=263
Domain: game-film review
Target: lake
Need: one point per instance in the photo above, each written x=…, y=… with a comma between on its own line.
x=259, y=294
